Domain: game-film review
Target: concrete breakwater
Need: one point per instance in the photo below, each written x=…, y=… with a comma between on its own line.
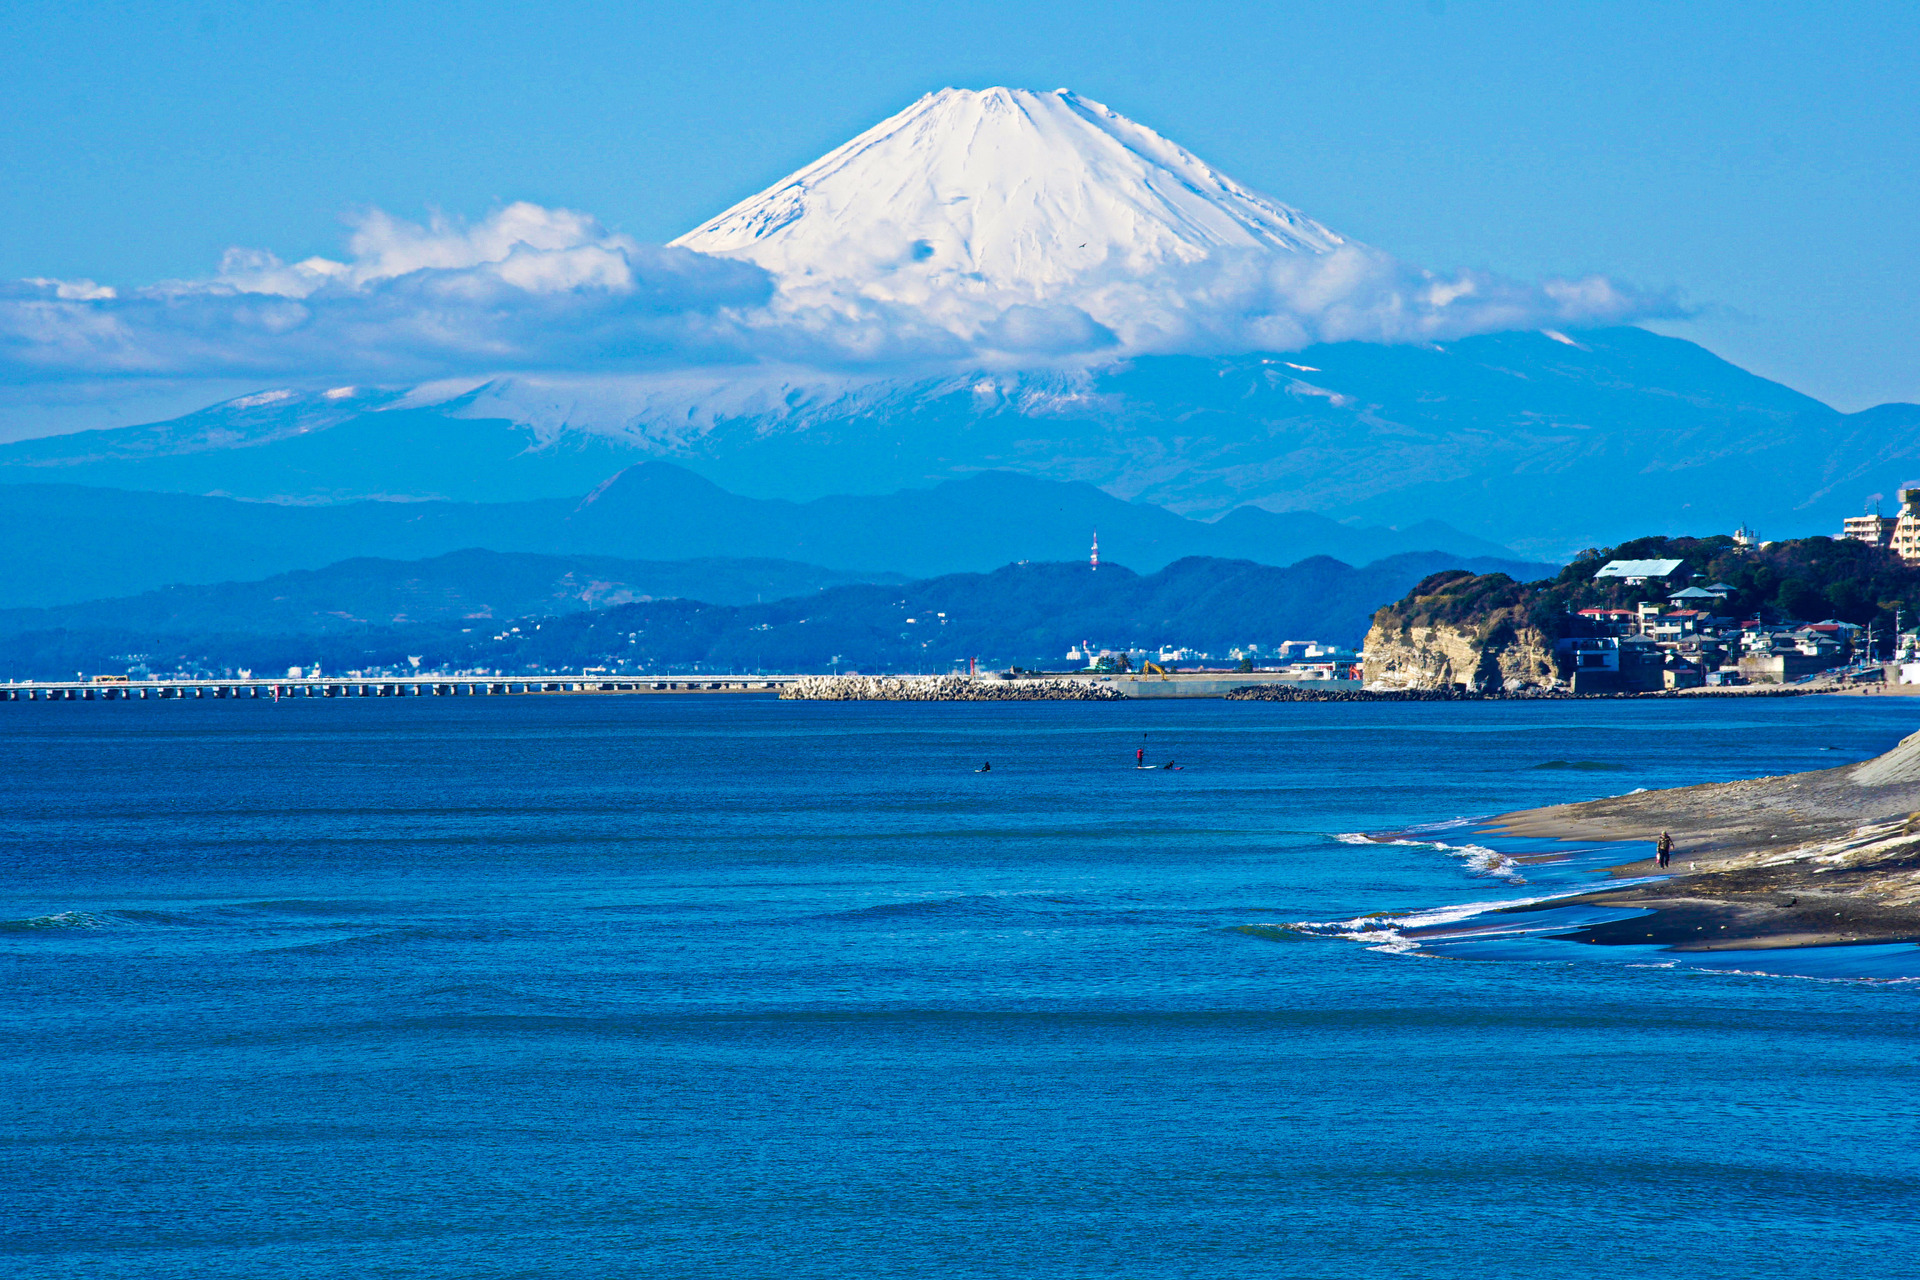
x=945, y=689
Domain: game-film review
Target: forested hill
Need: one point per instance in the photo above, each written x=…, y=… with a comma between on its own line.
x=1797, y=580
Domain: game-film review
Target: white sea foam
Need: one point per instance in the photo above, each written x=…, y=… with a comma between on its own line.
x=1804, y=977
x=1384, y=931
x=1481, y=860
x=1451, y=824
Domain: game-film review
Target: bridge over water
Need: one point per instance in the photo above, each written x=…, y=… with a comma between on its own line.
x=427, y=686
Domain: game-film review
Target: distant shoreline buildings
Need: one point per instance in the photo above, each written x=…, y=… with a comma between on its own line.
x=1690, y=641
x=1899, y=533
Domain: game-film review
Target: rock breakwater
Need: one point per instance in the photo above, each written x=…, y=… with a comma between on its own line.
x=1273, y=693
x=945, y=689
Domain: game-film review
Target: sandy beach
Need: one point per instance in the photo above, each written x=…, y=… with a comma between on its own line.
x=1808, y=859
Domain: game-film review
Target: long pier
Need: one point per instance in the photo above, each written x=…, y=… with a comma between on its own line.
x=441, y=686
x=1209, y=684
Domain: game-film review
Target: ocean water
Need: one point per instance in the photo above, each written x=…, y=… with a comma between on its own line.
x=689, y=987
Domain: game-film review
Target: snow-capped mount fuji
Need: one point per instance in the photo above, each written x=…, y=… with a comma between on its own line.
x=970, y=202
x=1005, y=187
x=1029, y=282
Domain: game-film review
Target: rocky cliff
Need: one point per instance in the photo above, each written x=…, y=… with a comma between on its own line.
x=1460, y=629
x=1444, y=655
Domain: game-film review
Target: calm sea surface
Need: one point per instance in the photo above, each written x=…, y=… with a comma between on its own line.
x=695, y=987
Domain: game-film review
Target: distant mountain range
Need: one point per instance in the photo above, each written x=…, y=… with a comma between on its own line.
x=450, y=590
x=1029, y=614
x=323, y=447
x=1544, y=443
x=67, y=544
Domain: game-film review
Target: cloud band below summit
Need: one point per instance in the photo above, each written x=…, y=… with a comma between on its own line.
x=547, y=289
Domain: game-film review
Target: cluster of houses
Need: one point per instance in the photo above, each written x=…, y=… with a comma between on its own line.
x=1692, y=640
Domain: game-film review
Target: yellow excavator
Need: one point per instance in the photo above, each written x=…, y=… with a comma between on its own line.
x=1149, y=667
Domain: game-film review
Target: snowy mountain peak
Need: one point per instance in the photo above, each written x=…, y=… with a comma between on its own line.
x=1000, y=193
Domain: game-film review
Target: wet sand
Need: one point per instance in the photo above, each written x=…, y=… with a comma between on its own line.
x=1800, y=860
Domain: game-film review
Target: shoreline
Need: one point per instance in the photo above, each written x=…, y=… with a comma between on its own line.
x=1819, y=859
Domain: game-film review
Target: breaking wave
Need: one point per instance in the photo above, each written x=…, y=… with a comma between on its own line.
x=1480, y=860
x=1385, y=930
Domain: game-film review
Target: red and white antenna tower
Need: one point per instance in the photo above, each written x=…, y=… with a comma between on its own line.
x=1096, y=549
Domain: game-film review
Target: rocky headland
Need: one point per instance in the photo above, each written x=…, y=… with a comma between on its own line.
x=1490, y=655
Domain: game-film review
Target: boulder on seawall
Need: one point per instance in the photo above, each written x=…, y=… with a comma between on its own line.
x=944, y=689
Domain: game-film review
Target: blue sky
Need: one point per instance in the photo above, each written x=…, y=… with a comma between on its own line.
x=1762, y=161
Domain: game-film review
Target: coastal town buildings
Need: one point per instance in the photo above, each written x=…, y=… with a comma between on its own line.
x=1637, y=573
x=1906, y=529
x=1638, y=650
x=1900, y=533
x=1301, y=659
x=1871, y=528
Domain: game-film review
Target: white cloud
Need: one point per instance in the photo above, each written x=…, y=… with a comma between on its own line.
x=1241, y=302
x=74, y=290
x=524, y=287
x=535, y=249
x=531, y=288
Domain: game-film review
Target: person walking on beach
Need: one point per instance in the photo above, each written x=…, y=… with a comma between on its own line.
x=1664, y=848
